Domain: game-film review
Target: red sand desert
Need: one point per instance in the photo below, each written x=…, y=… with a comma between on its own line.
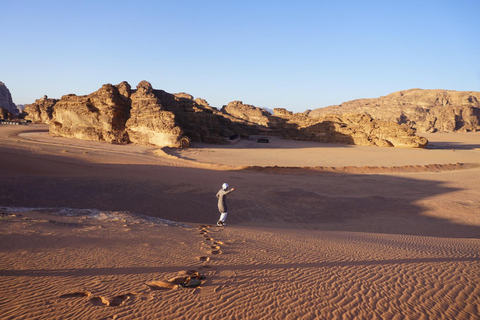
x=91, y=230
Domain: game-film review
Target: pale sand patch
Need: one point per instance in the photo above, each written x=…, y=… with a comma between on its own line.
x=443, y=149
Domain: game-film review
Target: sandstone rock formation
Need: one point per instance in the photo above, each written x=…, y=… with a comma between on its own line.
x=40, y=111
x=151, y=123
x=119, y=114
x=249, y=113
x=5, y=114
x=99, y=116
x=358, y=129
x=424, y=110
x=6, y=101
x=199, y=121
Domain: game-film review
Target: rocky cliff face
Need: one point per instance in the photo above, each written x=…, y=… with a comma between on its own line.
x=358, y=129
x=5, y=114
x=151, y=123
x=119, y=114
x=40, y=111
x=248, y=113
x=424, y=110
x=99, y=116
x=6, y=101
x=199, y=121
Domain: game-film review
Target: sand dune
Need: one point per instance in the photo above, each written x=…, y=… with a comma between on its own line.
x=364, y=242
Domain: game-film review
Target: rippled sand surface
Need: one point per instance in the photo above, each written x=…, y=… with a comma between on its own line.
x=97, y=231
x=83, y=268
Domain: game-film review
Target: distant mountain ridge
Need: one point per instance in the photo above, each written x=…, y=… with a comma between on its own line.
x=421, y=109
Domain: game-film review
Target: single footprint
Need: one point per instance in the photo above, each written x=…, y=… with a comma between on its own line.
x=216, y=252
x=204, y=258
x=215, y=247
x=178, y=280
x=160, y=285
x=219, y=242
x=99, y=301
x=171, y=283
x=202, y=230
x=120, y=300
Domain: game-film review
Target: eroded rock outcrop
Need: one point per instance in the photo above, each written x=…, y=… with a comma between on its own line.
x=6, y=101
x=358, y=129
x=199, y=121
x=248, y=113
x=145, y=116
x=5, y=114
x=119, y=114
x=151, y=123
x=40, y=111
x=99, y=116
x=424, y=110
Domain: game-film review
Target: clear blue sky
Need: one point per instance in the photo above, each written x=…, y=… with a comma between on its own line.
x=293, y=54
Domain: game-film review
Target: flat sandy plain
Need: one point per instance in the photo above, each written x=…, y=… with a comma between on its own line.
x=315, y=231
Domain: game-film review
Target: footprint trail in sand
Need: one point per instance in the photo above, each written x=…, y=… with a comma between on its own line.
x=163, y=285
x=311, y=274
